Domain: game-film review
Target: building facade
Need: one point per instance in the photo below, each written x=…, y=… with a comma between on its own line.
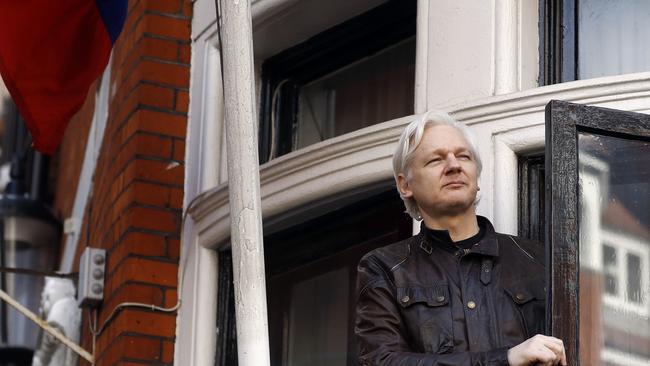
x=336, y=82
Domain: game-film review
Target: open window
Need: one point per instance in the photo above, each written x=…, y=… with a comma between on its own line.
x=311, y=279
x=598, y=233
x=353, y=75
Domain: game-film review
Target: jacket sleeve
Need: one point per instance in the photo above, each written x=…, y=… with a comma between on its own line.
x=380, y=336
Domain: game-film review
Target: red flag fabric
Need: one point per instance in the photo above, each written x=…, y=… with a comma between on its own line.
x=50, y=54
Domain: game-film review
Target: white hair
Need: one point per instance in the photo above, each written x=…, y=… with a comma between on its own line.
x=410, y=140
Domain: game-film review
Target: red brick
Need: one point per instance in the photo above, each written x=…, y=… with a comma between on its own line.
x=136, y=10
x=137, y=243
x=152, y=194
x=132, y=4
x=144, y=322
x=179, y=150
x=184, y=54
x=142, y=145
x=152, y=145
x=132, y=292
x=162, y=73
x=160, y=48
x=187, y=8
x=171, y=298
x=124, y=110
x=154, y=171
x=182, y=101
x=156, y=122
x=147, y=218
x=152, y=48
x=155, y=96
x=141, y=348
x=176, y=199
x=66, y=162
x=132, y=347
x=144, y=244
x=135, y=173
x=149, y=271
x=165, y=6
x=167, y=26
x=168, y=352
x=173, y=248
x=176, y=75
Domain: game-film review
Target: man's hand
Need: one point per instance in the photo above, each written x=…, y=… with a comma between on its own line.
x=538, y=350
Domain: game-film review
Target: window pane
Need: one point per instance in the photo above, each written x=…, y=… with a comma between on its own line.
x=613, y=37
x=318, y=316
x=614, y=194
x=634, y=278
x=610, y=269
x=376, y=89
x=311, y=268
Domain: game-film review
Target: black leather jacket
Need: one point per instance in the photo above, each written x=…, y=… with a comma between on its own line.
x=421, y=305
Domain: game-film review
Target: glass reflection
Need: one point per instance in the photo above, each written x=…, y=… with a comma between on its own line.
x=612, y=37
x=614, y=183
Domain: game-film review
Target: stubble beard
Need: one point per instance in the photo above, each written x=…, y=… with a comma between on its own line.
x=454, y=207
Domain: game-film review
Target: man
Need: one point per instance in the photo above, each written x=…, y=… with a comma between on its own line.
x=457, y=293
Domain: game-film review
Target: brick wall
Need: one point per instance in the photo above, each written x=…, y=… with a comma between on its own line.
x=135, y=207
x=67, y=162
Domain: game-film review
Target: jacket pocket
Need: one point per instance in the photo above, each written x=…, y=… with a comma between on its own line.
x=427, y=311
x=529, y=298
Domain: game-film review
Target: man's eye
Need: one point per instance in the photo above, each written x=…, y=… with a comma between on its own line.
x=434, y=160
x=464, y=157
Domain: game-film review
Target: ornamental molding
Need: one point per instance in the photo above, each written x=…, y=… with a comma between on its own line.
x=598, y=91
x=363, y=157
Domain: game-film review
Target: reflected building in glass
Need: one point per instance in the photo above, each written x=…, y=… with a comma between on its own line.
x=614, y=193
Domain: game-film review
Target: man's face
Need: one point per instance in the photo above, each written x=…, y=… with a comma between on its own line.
x=442, y=174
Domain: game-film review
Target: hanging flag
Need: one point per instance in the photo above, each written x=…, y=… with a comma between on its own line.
x=50, y=53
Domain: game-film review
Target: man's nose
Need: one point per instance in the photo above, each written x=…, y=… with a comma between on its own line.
x=452, y=163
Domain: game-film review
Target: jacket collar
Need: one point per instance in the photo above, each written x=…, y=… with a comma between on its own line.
x=488, y=245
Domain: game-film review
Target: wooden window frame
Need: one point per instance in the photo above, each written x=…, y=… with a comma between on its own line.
x=531, y=197
x=564, y=121
x=558, y=45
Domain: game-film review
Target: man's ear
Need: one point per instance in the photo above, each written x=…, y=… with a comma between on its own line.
x=403, y=186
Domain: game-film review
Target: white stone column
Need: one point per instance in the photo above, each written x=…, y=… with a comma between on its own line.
x=244, y=184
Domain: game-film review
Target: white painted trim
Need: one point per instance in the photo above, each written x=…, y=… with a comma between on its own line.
x=612, y=91
x=206, y=15
x=85, y=183
x=421, y=57
x=507, y=146
x=506, y=47
x=262, y=10
x=196, y=332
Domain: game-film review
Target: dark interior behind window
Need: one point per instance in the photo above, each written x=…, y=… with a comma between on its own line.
x=355, y=74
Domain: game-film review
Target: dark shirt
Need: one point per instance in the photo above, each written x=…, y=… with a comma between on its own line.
x=442, y=239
